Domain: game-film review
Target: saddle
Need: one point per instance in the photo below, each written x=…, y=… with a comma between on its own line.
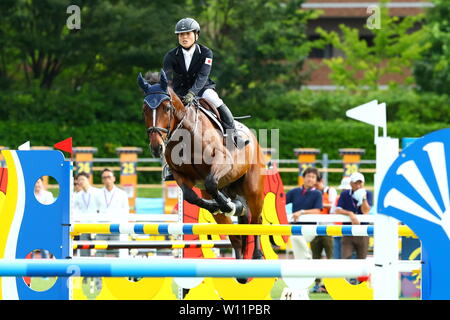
x=212, y=113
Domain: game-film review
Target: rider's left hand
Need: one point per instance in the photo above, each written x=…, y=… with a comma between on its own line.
x=189, y=98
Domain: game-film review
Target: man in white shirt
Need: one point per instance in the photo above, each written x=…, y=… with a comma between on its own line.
x=42, y=195
x=85, y=201
x=112, y=200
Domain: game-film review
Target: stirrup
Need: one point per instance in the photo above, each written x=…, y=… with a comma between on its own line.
x=240, y=144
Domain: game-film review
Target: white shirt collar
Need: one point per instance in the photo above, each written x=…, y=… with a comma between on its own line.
x=191, y=50
x=112, y=190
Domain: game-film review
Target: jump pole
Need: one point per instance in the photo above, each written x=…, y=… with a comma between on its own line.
x=218, y=268
x=385, y=273
x=230, y=229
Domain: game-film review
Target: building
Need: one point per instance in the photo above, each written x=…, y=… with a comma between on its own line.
x=354, y=14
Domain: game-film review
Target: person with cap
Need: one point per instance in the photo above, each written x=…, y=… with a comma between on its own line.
x=345, y=185
x=188, y=67
x=353, y=202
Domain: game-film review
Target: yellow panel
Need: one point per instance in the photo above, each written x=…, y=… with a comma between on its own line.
x=2, y=200
x=405, y=231
x=204, y=291
x=9, y=206
x=341, y=289
x=123, y=289
x=166, y=292
x=204, y=216
x=256, y=289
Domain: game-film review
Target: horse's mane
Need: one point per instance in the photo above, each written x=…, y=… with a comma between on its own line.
x=152, y=77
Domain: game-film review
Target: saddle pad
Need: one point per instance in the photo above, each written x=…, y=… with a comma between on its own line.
x=213, y=118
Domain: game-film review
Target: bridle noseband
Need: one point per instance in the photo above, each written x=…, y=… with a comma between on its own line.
x=171, y=109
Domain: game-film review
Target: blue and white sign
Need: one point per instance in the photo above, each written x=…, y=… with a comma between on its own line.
x=415, y=191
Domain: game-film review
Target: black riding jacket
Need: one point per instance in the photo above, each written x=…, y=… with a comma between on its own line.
x=196, y=79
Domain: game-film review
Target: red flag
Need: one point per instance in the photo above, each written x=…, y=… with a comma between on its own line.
x=65, y=145
x=3, y=179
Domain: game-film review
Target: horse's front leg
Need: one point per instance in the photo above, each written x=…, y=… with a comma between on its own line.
x=190, y=196
x=226, y=205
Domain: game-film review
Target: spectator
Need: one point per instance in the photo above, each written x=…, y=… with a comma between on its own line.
x=85, y=201
x=112, y=200
x=76, y=186
x=320, y=243
x=305, y=200
x=329, y=196
x=42, y=195
x=353, y=202
x=345, y=185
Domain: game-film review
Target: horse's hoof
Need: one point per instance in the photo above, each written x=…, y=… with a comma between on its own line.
x=241, y=210
x=258, y=256
x=231, y=205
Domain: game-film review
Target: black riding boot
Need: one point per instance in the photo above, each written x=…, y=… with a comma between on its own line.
x=228, y=120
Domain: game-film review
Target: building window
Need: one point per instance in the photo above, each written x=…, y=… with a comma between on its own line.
x=324, y=53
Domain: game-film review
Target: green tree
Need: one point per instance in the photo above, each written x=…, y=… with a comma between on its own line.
x=114, y=37
x=432, y=71
x=395, y=47
x=259, y=46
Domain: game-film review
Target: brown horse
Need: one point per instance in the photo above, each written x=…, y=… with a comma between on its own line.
x=195, y=149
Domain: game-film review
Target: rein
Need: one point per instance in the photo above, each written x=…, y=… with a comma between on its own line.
x=167, y=130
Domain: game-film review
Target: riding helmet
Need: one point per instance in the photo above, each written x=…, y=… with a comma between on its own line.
x=186, y=25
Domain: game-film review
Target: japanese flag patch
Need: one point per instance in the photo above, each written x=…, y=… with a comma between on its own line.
x=208, y=61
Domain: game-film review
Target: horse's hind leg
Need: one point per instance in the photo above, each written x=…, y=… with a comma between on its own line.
x=253, y=191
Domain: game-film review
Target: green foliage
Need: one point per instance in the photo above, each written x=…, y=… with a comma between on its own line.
x=432, y=71
x=328, y=136
x=115, y=37
x=395, y=47
x=258, y=45
x=402, y=105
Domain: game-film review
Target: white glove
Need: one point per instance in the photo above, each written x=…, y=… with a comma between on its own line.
x=359, y=195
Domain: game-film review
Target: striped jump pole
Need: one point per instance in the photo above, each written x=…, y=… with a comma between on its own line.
x=218, y=268
x=230, y=229
x=111, y=245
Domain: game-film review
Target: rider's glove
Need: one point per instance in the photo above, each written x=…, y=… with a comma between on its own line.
x=189, y=98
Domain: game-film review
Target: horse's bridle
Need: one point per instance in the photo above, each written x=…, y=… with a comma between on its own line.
x=154, y=128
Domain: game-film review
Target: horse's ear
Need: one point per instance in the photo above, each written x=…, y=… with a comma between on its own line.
x=142, y=83
x=163, y=80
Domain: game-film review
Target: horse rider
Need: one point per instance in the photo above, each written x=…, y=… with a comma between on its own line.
x=188, y=67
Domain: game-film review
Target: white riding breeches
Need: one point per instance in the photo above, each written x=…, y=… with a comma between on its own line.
x=212, y=97
x=300, y=247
